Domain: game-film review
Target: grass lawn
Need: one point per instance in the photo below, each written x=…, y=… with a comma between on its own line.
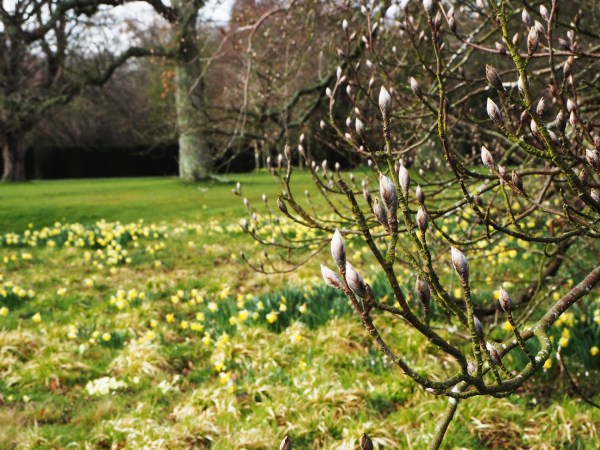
x=155, y=334
x=130, y=199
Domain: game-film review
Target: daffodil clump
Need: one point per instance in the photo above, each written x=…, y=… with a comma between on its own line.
x=577, y=334
x=106, y=243
x=12, y=295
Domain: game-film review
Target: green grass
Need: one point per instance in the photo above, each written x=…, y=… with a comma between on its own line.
x=130, y=199
x=312, y=372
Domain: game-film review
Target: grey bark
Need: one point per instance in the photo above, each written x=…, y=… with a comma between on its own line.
x=13, y=157
x=195, y=162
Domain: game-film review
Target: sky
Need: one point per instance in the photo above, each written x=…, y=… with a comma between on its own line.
x=216, y=11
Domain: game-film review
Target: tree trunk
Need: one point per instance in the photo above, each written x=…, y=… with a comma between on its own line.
x=195, y=161
x=13, y=157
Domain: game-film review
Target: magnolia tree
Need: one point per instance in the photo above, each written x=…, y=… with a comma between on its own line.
x=483, y=113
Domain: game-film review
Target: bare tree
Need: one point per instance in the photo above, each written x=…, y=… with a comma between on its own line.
x=38, y=70
x=496, y=146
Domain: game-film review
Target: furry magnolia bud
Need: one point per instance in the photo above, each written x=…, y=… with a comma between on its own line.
x=540, y=106
x=380, y=213
x=502, y=173
x=388, y=193
x=331, y=278
x=593, y=158
x=365, y=442
x=494, y=355
x=338, y=250
x=367, y=194
x=428, y=6
x=525, y=17
x=478, y=327
x=385, y=102
x=493, y=78
x=504, y=300
x=359, y=127
x=451, y=20
x=415, y=87
x=517, y=182
x=568, y=66
x=422, y=219
x=534, y=128
x=460, y=263
x=471, y=367
x=420, y=195
x=423, y=292
x=355, y=281
x=533, y=40
x=403, y=178
x=488, y=160
x=281, y=206
x=493, y=111
x=561, y=121
x=286, y=444
x=573, y=119
x=521, y=85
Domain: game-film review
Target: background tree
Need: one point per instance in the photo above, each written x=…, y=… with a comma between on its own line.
x=38, y=69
